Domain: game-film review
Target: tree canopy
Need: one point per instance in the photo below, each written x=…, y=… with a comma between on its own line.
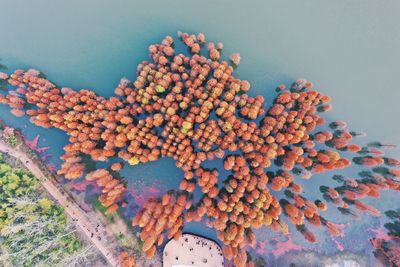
x=33, y=229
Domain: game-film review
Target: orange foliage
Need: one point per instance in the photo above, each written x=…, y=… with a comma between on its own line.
x=191, y=108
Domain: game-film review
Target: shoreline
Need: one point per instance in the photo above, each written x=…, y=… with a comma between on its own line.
x=96, y=234
x=105, y=229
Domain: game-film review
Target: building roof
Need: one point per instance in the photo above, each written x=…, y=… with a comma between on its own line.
x=192, y=251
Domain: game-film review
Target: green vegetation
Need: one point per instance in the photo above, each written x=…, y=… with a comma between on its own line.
x=33, y=229
x=98, y=206
x=31, y=153
x=12, y=140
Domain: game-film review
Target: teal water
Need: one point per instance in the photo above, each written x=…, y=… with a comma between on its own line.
x=349, y=49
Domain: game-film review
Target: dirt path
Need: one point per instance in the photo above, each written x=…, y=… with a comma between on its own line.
x=93, y=229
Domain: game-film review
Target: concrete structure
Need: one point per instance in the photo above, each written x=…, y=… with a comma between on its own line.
x=192, y=251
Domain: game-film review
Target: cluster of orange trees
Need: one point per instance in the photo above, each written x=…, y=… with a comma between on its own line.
x=190, y=107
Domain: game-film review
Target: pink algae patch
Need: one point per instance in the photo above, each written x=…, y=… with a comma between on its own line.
x=261, y=247
x=141, y=195
x=34, y=144
x=283, y=247
x=341, y=228
x=339, y=245
x=80, y=186
x=380, y=233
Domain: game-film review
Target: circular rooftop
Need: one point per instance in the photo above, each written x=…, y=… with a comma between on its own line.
x=192, y=251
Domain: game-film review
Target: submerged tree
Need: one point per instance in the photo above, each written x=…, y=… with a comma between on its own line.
x=387, y=247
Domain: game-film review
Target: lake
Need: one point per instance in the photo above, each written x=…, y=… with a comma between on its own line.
x=348, y=49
